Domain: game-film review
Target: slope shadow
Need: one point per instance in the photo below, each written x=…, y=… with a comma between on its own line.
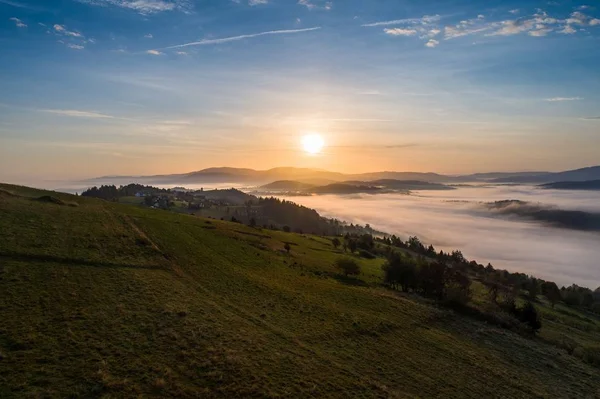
x=350, y=280
x=15, y=256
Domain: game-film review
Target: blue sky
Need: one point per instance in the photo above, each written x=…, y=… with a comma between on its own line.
x=97, y=87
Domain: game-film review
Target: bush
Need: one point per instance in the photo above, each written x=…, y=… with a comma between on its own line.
x=399, y=270
x=528, y=314
x=458, y=288
x=431, y=278
x=336, y=242
x=551, y=292
x=348, y=266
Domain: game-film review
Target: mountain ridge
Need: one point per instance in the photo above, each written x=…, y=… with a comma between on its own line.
x=310, y=176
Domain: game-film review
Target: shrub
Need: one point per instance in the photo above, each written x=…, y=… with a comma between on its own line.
x=458, y=288
x=431, y=278
x=352, y=245
x=551, y=292
x=399, y=270
x=336, y=242
x=348, y=266
x=493, y=291
x=532, y=288
x=528, y=314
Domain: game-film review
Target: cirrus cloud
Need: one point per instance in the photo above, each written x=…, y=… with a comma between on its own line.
x=143, y=6
x=559, y=99
x=400, y=32
x=18, y=22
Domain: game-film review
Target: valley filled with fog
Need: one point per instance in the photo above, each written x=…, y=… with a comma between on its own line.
x=552, y=234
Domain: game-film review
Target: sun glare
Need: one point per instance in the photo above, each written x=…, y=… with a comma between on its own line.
x=313, y=143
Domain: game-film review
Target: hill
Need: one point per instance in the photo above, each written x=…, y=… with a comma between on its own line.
x=403, y=185
x=320, y=177
x=573, y=185
x=287, y=185
x=353, y=186
x=102, y=299
x=568, y=219
x=344, y=188
x=583, y=174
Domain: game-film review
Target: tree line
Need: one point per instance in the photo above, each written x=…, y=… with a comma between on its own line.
x=447, y=278
x=113, y=193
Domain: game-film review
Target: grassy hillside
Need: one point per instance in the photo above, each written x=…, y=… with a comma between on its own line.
x=102, y=299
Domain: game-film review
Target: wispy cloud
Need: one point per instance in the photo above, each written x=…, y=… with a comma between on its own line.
x=148, y=36
x=568, y=30
x=153, y=52
x=432, y=43
x=61, y=29
x=425, y=20
x=205, y=42
x=558, y=99
x=257, y=2
x=143, y=6
x=370, y=93
x=400, y=32
x=316, y=4
x=75, y=46
x=365, y=120
x=540, y=32
x=425, y=27
x=15, y=4
x=539, y=24
x=77, y=114
x=18, y=22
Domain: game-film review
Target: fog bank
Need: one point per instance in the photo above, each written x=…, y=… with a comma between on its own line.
x=509, y=238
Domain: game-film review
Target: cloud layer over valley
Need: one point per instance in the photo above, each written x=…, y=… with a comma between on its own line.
x=513, y=235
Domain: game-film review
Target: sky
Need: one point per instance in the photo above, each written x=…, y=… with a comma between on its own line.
x=139, y=87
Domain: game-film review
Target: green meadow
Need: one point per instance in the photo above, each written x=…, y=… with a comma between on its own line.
x=104, y=299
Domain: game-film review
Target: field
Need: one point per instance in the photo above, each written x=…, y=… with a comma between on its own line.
x=101, y=299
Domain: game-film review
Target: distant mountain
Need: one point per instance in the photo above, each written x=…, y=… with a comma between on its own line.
x=567, y=219
x=260, y=177
x=319, y=177
x=591, y=173
x=230, y=195
x=426, y=177
x=341, y=188
x=405, y=185
x=287, y=185
x=353, y=186
x=573, y=185
x=497, y=175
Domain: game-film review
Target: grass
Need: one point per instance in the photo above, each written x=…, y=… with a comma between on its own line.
x=111, y=300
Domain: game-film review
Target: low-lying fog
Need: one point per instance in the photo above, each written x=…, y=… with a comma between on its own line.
x=514, y=236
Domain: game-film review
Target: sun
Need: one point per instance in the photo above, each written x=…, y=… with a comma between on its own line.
x=313, y=143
